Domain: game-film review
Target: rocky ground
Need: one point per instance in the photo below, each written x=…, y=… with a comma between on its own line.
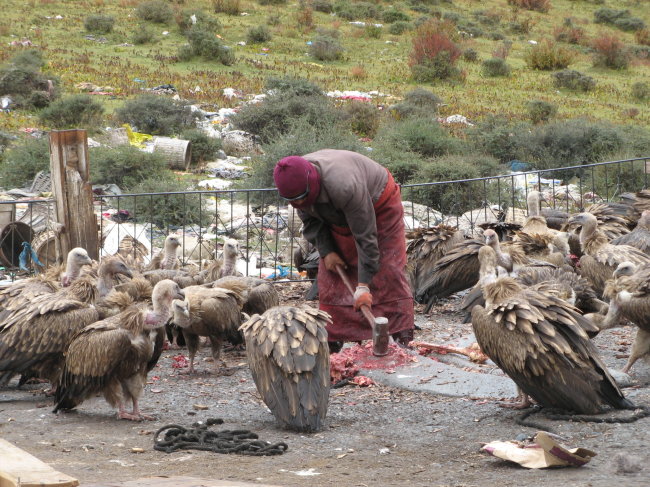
x=375, y=435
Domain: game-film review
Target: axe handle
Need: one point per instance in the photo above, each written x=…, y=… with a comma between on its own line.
x=364, y=309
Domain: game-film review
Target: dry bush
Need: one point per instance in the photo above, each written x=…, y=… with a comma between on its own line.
x=229, y=7
x=5, y=29
x=547, y=55
x=569, y=34
x=305, y=19
x=358, y=73
x=610, y=52
x=537, y=5
x=642, y=37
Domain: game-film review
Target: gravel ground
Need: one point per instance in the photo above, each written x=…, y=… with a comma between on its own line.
x=376, y=435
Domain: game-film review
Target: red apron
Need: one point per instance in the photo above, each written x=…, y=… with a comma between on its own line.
x=392, y=297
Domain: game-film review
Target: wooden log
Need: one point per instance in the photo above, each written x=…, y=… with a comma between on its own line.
x=73, y=194
x=19, y=468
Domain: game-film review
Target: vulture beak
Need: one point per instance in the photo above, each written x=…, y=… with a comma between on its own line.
x=127, y=272
x=180, y=294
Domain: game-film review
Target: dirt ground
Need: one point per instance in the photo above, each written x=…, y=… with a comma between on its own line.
x=376, y=436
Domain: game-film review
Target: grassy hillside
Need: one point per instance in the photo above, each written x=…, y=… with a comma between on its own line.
x=373, y=59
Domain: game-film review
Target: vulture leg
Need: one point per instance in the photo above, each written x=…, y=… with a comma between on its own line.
x=192, y=342
x=136, y=412
x=522, y=401
x=640, y=347
x=123, y=414
x=216, y=343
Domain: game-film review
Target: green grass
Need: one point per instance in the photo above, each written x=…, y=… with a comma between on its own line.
x=75, y=59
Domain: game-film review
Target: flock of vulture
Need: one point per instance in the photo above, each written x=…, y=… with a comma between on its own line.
x=538, y=292
x=98, y=328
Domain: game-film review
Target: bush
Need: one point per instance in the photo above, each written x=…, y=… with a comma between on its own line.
x=630, y=24
x=22, y=162
x=143, y=35
x=373, y=31
x=641, y=91
x=523, y=26
x=418, y=103
x=569, y=34
x=362, y=118
x=208, y=46
x=642, y=37
x=100, y=24
x=124, y=165
x=391, y=15
x=324, y=6
x=272, y=2
x=610, y=52
x=618, y=18
x=305, y=19
x=574, y=80
x=399, y=27
x=470, y=55
x=29, y=59
x=170, y=210
x=156, y=11
x=402, y=165
x=301, y=137
x=540, y=111
x=434, y=53
x=157, y=115
x=547, y=56
x=228, y=7
x=419, y=135
x=486, y=17
x=277, y=114
x=357, y=10
x=292, y=86
x=204, y=21
x=498, y=137
x=204, y=147
x=326, y=48
x=494, y=67
x=537, y=5
x=258, y=34
x=76, y=111
x=439, y=68
x=22, y=80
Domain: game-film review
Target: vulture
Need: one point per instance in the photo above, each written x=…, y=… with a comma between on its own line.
x=555, y=219
x=19, y=294
x=168, y=257
x=540, y=341
x=306, y=258
x=258, y=294
x=229, y=256
x=636, y=203
x=35, y=335
x=213, y=312
x=426, y=247
x=612, y=218
x=289, y=360
x=113, y=356
x=639, y=237
x=535, y=223
x=630, y=300
x=185, y=278
x=600, y=257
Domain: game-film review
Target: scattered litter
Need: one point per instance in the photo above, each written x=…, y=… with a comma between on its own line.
x=543, y=451
x=384, y=451
x=122, y=463
x=310, y=472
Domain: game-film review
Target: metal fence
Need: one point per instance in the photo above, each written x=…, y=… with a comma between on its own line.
x=268, y=231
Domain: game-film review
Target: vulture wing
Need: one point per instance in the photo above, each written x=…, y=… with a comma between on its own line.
x=428, y=245
x=638, y=238
x=289, y=360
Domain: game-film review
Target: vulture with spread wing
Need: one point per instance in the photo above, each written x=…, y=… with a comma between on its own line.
x=113, y=356
x=541, y=343
x=289, y=360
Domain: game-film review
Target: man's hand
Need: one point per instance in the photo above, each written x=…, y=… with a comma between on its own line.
x=332, y=260
x=362, y=297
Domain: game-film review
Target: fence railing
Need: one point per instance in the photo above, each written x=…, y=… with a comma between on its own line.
x=268, y=231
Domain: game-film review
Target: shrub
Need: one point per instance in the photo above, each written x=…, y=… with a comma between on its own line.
x=203, y=21
x=470, y=55
x=301, y=137
x=642, y=37
x=208, y=46
x=292, y=86
x=157, y=115
x=29, y=59
x=23, y=161
x=547, y=56
x=486, y=17
x=326, y=48
x=279, y=112
x=392, y=15
x=537, y=5
x=569, y=34
x=417, y=103
x=271, y=2
x=357, y=10
x=155, y=11
x=258, y=34
x=521, y=26
x=630, y=24
x=124, y=165
x=399, y=27
x=170, y=210
x=641, y=90
x=574, y=80
x=100, y=24
x=540, y=111
x=362, y=118
x=228, y=7
x=305, y=19
x=618, y=18
x=76, y=111
x=498, y=137
x=494, y=67
x=610, y=52
x=358, y=72
x=373, y=31
x=324, y=6
x=22, y=80
x=434, y=53
x=143, y=35
x=402, y=165
x=204, y=147
x=419, y=135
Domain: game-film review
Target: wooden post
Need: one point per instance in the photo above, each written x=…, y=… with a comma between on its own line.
x=73, y=192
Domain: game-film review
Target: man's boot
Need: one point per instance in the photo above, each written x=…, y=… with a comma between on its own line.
x=403, y=337
x=335, y=347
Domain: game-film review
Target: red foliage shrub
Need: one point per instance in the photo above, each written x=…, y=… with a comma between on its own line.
x=610, y=52
x=429, y=41
x=569, y=34
x=537, y=5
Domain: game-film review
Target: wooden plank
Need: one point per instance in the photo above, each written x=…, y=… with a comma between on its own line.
x=72, y=190
x=179, y=482
x=17, y=467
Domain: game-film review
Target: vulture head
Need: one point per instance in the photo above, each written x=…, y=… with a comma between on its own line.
x=625, y=269
x=181, y=310
x=77, y=258
x=162, y=296
x=230, y=248
x=172, y=242
x=583, y=219
x=114, y=266
x=644, y=220
x=491, y=237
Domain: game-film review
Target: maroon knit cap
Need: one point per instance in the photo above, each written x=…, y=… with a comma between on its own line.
x=293, y=175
